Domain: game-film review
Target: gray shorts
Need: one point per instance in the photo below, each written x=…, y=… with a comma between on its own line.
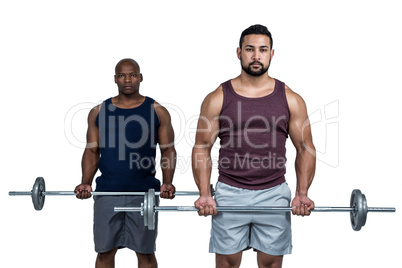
x=233, y=232
x=122, y=229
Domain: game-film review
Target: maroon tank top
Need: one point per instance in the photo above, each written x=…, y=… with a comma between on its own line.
x=253, y=133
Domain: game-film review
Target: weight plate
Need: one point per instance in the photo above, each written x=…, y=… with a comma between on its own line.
x=354, y=215
x=38, y=199
x=151, y=209
x=358, y=216
x=365, y=210
x=145, y=209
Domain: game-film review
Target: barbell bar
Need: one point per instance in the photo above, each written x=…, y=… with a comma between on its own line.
x=38, y=193
x=358, y=209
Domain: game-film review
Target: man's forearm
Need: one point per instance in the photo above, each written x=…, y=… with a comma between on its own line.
x=305, y=169
x=168, y=164
x=202, y=166
x=89, y=165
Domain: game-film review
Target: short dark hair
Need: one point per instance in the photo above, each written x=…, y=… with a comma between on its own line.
x=255, y=29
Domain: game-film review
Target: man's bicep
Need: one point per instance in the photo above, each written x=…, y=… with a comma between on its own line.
x=165, y=130
x=93, y=130
x=299, y=124
x=207, y=131
x=208, y=122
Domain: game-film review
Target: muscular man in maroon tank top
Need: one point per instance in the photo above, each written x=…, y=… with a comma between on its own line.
x=261, y=96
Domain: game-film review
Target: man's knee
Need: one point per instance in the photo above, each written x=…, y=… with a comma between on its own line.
x=228, y=261
x=146, y=260
x=269, y=261
x=107, y=256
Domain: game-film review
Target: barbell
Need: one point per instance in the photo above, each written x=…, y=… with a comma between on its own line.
x=38, y=193
x=358, y=209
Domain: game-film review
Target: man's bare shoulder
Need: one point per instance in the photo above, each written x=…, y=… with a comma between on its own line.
x=295, y=101
x=93, y=113
x=161, y=112
x=159, y=108
x=213, y=101
x=97, y=108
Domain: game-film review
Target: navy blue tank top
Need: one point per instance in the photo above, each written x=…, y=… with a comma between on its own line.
x=127, y=141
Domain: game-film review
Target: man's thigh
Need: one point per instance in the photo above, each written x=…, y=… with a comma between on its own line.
x=271, y=232
x=233, y=232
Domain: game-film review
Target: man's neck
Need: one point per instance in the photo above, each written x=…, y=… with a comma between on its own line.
x=128, y=101
x=254, y=82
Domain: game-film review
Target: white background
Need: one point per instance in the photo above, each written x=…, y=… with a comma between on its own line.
x=57, y=61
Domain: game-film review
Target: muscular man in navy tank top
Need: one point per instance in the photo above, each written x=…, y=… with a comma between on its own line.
x=252, y=114
x=122, y=136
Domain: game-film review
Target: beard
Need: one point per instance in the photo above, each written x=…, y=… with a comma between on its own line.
x=248, y=69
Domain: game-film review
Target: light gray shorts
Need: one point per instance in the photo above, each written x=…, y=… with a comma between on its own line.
x=233, y=232
x=122, y=229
